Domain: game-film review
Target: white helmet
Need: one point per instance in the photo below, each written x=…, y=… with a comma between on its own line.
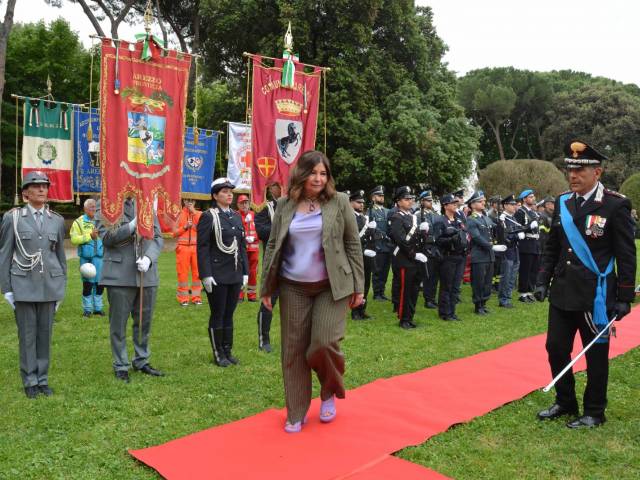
x=88, y=270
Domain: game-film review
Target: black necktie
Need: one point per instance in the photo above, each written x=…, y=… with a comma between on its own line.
x=579, y=202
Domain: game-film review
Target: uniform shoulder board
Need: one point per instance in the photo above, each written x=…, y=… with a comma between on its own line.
x=614, y=193
x=563, y=193
x=55, y=213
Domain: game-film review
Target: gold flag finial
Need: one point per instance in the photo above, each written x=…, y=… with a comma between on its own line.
x=288, y=40
x=49, y=84
x=148, y=17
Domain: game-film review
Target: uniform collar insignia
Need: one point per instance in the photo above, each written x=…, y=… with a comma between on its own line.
x=599, y=193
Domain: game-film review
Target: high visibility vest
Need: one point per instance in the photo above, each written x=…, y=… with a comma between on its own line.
x=250, y=230
x=187, y=236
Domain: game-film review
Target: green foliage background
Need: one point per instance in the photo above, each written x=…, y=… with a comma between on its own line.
x=513, y=176
x=631, y=189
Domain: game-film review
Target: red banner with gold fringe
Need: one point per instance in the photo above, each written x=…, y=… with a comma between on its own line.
x=283, y=123
x=142, y=129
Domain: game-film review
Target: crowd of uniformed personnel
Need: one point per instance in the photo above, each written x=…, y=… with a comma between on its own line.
x=513, y=241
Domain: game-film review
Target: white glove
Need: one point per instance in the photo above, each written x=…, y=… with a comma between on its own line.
x=499, y=248
x=247, y=218
x=250, y=239
x=424, y=226
x=369, y=253
x=58, y=303
x=421, y=257
x=520, y=235
x=208, y=284
x=132, y=224
x=534, y=224
x=143, y=264
x=245, y=280
x=372, y=224
x=502, y=217
x=10, y=300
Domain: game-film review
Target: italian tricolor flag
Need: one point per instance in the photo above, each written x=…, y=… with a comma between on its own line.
x=46, y=146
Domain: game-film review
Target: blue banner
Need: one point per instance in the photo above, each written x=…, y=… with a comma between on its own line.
x=199, y=163
x=86, y=150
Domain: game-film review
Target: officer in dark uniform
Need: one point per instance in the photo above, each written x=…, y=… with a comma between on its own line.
x=546, y=215
x=459, y=195
x=263, y=229
x=367, y=233
x=528, y=216
x=508, y=233
x=33, y=276
x=379, y=214
x=223, y=266
x=430, y=249
x=408, y=261
x=591, y=227
x=480, y=228
x=451, y=238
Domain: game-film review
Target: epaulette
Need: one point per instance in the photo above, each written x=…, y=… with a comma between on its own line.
x=614, y=193
x=56, y=213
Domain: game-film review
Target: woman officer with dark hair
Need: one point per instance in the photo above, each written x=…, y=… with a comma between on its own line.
x=223, y=267
x=314, y=258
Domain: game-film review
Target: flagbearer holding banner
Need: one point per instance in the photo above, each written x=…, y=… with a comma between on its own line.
x=591, y=230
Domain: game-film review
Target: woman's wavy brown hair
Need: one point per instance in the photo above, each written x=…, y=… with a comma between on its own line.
x=303, y=169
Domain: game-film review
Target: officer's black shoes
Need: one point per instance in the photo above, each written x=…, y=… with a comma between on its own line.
x=99, y=313
x=230, y=357
x=365, y=315
x=555, y=411
x=356, y=315
x=31, y=392
x=455, y=317
x=430, y=305
x=122, y=375
x=86, y=314
x=222, y=362
x=266, y=347
x=45, y=390
x=407, y=325
x=506, y=305
x=587, y=421
x=381, y=298
x=479, y=310
x=526, y=299
x=149, y=370
x=486, y=310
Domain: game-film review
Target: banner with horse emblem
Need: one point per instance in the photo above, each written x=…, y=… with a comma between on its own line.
x=86, y=151
x=284, y=121
x=46, y=146
x=143, y=95
x=199, y=163
x=239, y=166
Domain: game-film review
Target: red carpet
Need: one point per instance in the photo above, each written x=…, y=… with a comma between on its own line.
x=374, y=421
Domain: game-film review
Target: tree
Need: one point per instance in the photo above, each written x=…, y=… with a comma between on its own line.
x=34, y=52
x=5, y=31
x=513, y=176
x=631, y=189
x=117, y=11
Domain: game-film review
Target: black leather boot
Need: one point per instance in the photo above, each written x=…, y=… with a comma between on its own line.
x=264, y=327
x=227, y=345
x=479, y=310
x=215, y=337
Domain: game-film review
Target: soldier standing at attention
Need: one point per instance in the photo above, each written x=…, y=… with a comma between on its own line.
x=367, y=234
x=186, y=255
x=90, y=250
x=545, y=220
x=527, y=216
x=379, y=214
x=480, y=228
x=509, y=233
x=263, y=221
x=431, y=250
x=591, y=230
x=33, y=275
x=126, y=260
x=408, y=261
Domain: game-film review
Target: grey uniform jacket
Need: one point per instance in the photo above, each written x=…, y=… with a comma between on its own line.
x=119, y=268
x=480, y=229
x=46, y=282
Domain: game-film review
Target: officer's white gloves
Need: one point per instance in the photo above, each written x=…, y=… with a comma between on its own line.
x=143, y=264
x=534, y=224
x=502, y=217
x=208, y=284
x=132, y=224
x=58, y=303
x=245, y=280
x=421, y=257
x=424, y=226
x=372, y=224
x=520, y=235
x=10, y=300
x=369, y=253
x=250, y=238
x=499, y=248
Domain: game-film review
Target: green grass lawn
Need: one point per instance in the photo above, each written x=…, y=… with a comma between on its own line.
x=85, y=429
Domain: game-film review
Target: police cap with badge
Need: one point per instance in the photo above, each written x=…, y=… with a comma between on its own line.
x=447, y=199
x=579, y=154
x=357, y=196
x=377, y=190
x=33, y=178
x=220, y=183
x=475, y=197
x=402, y=193
x=509, y=200
x=426, y=195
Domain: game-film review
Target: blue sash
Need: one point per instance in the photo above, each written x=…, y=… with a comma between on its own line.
x=580, y=248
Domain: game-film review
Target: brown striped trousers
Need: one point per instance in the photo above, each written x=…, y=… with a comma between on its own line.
x=312, y=325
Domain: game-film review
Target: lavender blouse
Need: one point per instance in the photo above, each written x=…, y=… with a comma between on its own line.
x=303, y=255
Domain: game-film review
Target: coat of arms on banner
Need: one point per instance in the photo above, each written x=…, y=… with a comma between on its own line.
x=267, y=166
x=146, y=131
x=193, y=163
x=288, y=138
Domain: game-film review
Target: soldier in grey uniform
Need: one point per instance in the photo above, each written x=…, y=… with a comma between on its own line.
x=380, y=214
x=33, y=273
x=126, y=260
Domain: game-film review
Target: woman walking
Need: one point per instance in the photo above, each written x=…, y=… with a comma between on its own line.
x=314, y=258
x=223, y=267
